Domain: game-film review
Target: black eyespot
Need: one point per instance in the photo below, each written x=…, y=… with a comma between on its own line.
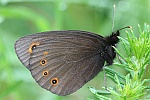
x=54, y=81
x=43, y=62
x=45, y=73
x=33, y=47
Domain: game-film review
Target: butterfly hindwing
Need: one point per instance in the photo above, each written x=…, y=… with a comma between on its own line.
x=62, y=61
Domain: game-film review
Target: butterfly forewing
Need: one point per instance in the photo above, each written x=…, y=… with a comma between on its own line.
x=62, y=61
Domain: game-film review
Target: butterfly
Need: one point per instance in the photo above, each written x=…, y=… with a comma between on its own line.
x=63, y=61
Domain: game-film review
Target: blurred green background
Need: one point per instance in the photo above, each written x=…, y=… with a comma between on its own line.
x=21, y=18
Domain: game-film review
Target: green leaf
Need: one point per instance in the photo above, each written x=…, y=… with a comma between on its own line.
x=111, y=74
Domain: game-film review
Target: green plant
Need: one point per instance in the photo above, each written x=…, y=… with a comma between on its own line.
x=134, y=85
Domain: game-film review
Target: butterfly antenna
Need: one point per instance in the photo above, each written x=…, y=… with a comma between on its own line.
x=113, y=17
x=113, y=20
x=124, y=28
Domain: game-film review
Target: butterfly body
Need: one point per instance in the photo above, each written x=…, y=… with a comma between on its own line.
x=63, y=61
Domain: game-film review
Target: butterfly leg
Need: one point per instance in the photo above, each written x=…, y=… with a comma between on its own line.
x=105, y=80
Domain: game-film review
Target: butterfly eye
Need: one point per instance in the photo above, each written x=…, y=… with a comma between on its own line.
x=33, y=46
x=54, y=81
x=43, y=62
x=45, y=73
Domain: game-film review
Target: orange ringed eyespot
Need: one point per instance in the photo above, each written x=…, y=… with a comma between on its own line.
x=54, y=81
x=43, y=62
x=33, y=46
x=45, y=73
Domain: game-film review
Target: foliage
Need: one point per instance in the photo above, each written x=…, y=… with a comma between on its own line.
x=136, y=61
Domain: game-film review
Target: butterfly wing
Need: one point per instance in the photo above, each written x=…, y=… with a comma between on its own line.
x=62, y=61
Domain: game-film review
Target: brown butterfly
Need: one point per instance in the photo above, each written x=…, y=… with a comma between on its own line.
x=63, y=61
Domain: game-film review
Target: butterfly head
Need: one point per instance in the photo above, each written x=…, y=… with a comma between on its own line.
x=113, y=38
